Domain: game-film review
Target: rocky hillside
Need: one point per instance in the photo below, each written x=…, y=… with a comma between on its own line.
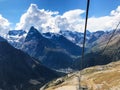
x=101, y=42
x=18, y=71
x=98, y=54
x=106, y=77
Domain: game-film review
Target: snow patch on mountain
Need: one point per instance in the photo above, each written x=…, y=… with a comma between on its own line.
x=16, y=37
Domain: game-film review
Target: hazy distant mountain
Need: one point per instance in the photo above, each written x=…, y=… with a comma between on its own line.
x=16, y=32
x=18, y=71
x=73, y=36
x=16, y=37
x=93, y=37
x=77, y=37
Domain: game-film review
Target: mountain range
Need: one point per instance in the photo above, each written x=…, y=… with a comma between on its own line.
x=102, y=52
x=27, y=58
x=53, y=50
x=50, y=47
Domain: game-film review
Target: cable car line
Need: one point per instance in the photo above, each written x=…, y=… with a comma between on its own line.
x=111, y=37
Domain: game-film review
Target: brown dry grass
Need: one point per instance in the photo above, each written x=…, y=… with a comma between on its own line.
x=105, y=77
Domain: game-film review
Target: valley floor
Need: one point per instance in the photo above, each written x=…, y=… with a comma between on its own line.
x=106, y=77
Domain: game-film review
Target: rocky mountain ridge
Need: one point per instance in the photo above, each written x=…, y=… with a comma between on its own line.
x=18, y=71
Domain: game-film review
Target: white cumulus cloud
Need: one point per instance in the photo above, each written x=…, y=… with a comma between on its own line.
x=105, y=22
x=40, y=19
x=51, y=21
x=4, y=26
x=73, y=20
x=46, y=20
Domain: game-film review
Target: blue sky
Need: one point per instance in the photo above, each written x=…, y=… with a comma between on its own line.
x=13, y=10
